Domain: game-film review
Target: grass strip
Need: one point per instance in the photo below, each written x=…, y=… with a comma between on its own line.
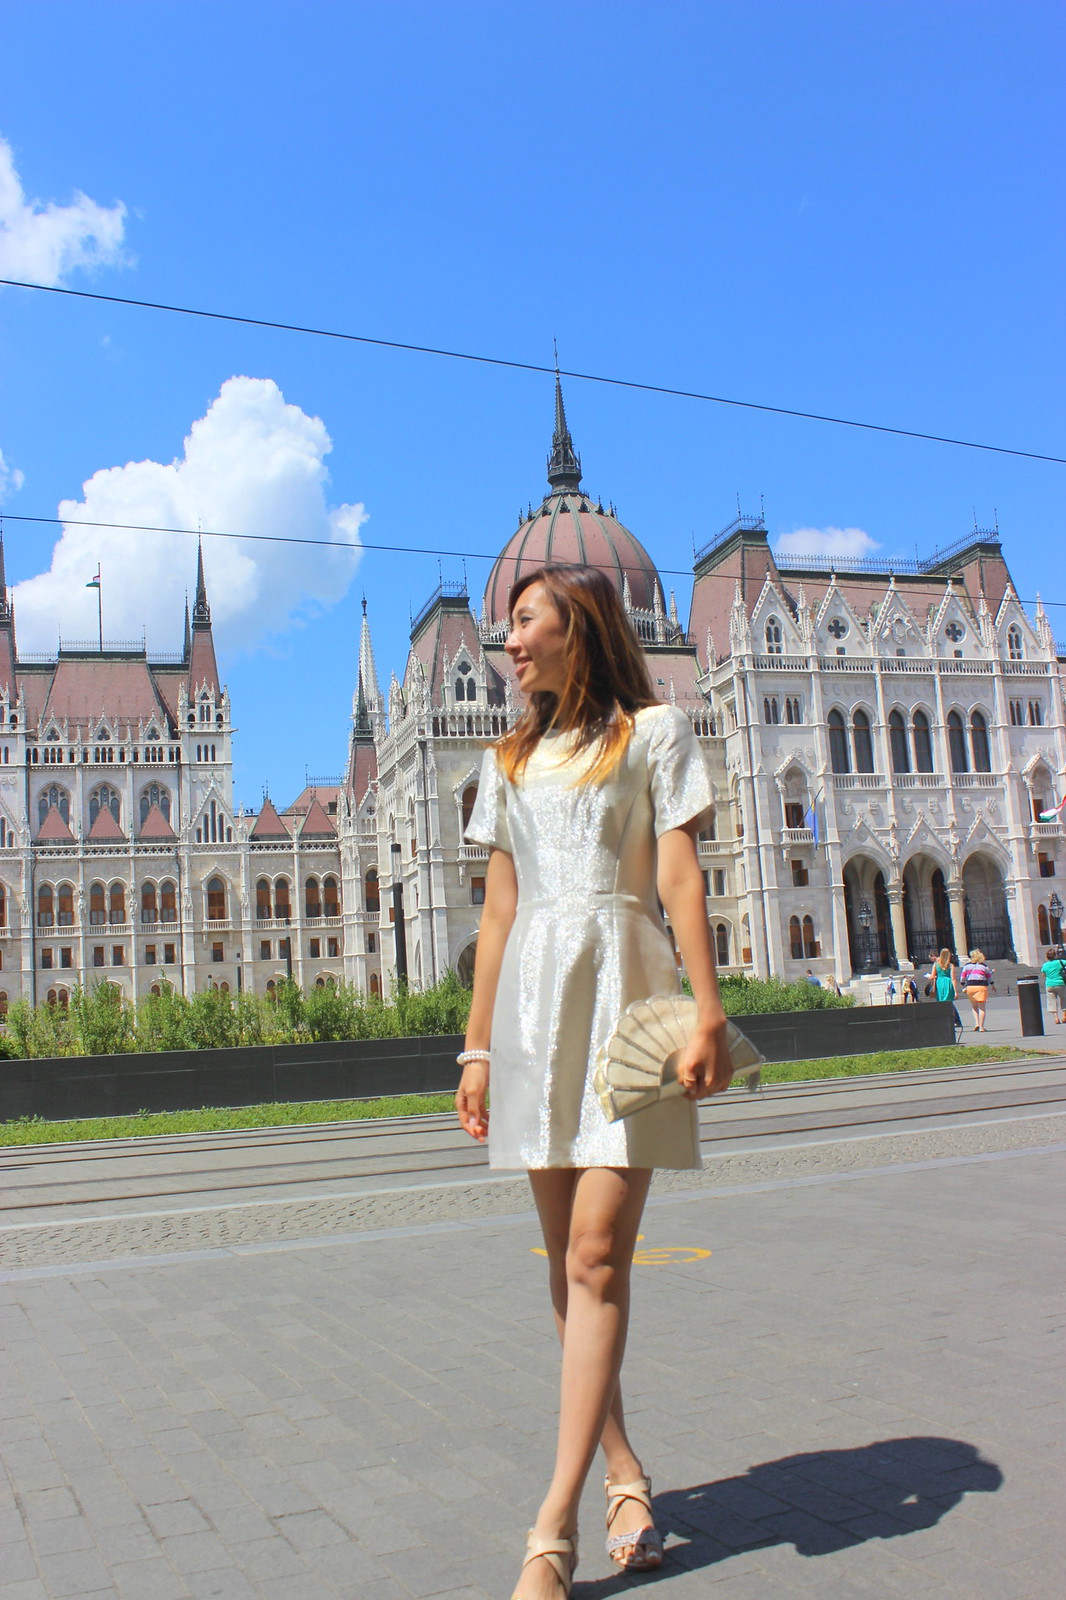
x=37, y=1130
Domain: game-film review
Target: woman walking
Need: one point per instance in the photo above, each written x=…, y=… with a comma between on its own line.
x=1054, y=970
x=590, y=807
x=975, y=980
x=942, y=984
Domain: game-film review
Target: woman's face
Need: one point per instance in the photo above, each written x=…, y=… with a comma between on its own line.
x=537, y=642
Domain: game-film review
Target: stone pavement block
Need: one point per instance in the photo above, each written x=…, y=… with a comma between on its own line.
x=222, y=1583
x=194, y=1552
x=175, y=1516
x=303, y=1586
x=269, y=1557
x=151, y=1579
x=74, y=1573
x=61, y=1535
x=424, y=1571
x=19, y=1561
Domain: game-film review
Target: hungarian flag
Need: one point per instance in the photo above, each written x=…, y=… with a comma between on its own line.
x=1055, y=814
x=94, y=583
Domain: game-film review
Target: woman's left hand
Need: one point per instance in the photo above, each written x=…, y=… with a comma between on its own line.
x=705, y=1066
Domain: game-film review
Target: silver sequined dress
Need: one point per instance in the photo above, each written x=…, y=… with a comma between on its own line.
x=587, y=940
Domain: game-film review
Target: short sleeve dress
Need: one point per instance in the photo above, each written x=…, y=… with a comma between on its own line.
x=587, y=940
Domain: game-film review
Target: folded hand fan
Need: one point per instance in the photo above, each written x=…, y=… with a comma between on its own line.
x=637, y=1066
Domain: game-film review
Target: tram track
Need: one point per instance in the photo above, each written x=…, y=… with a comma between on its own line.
x=290, y=1162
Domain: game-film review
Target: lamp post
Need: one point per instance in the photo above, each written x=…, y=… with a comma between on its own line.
x=865, y=918
x=240, y=975
x=1055, y=907
x=399, y=931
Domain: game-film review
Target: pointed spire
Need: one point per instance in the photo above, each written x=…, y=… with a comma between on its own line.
x=564, y=464
x=201, y=614
x=367, y=693
x=188, y=632
x=3, y=568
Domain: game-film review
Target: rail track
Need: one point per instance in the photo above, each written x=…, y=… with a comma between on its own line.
x=112, y=1177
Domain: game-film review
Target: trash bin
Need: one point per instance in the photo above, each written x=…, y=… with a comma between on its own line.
x=1029, y=1006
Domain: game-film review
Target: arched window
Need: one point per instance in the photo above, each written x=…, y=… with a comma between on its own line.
x=469, y=797
x=795, y=939
x=272, y=990
x=1043, y=927
x=957, y=743
x=839, y=757
x=1015, y=646
x=116, y=903
x=793, y=710
x=262, y=900
x=168, y=901
x=771, y=710
x=923, y=743
x=372, y=891
x=312, y=898
x=810, y=943
x=155, y=795
x=216, y=900
x=53, y=796
x=149, y=903
x=375, y=988
x=864, y=749
x=45, y=906
x=3, y=907
x=331, y=903
x=105, y=798
x=282, y=906
x=65, y=908
x=97, y=905
x=3, y=1004
x=982, y=754
x=897, y=742
x=721, y=944
x=64, y=999
x=774, y=645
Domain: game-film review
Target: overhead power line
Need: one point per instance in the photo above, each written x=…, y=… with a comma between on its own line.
x=340, y=544
x=532, y=366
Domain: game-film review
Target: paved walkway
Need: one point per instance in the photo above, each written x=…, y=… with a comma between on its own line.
x=845, y=1384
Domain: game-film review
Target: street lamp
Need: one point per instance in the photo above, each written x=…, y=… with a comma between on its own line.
x=865, y=918
x=240, y=977
x=1055, y=906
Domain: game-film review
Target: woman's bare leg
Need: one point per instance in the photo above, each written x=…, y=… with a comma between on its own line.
x=590, y=1219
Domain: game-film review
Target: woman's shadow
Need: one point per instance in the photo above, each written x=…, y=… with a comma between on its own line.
x=821, y=1502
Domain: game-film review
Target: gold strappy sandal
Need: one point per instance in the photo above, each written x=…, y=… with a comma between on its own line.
x=647, y=1539
x=560, y=1554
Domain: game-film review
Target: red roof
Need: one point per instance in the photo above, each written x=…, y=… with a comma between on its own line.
x=572, y=530
x=328, y=793
x=105, y=828
x=316, y=824
x=86, y=692
x=54, y=830
x=268, y=825
x=156, y=826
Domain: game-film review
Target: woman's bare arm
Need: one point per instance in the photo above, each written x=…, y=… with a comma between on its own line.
x=501, y=898
x=705, y=1068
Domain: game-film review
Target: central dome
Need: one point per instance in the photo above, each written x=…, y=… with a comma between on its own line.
x=569, y=530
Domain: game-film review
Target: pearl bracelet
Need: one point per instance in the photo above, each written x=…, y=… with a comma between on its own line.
x=466, y=1056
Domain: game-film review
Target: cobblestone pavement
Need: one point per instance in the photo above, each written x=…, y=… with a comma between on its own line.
x=844, y=1381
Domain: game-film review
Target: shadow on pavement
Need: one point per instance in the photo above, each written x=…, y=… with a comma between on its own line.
x=821, y=1502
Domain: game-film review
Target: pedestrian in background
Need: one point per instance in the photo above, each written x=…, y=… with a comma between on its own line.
x=1054, y=971
x=975, y=980
x=941, y=984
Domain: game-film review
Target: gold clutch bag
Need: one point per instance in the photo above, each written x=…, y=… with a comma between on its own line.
x=637, y=1067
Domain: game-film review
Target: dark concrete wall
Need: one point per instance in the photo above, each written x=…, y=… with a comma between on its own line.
x=182, y=1080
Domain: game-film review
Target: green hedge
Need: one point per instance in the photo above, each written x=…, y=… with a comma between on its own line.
x=101, y=1022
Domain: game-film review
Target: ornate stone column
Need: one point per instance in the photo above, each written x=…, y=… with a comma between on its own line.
x=957, y=908
x=899, y=927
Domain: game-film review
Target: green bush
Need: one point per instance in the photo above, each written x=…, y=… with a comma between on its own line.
x=743, y=996
x=101, y=1022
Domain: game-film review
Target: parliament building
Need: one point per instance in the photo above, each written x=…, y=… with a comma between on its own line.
x=881, y=738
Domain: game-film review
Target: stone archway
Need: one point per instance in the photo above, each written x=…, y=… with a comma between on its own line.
x=926, y=913
x=988, y=926
x=464, y=966
x=874, y=947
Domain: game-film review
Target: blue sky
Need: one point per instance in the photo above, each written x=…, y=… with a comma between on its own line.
x=853, y=209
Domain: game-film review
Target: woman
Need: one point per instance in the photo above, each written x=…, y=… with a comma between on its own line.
x=1054, y=970
x=975, y=980
x=590, y=807
x=942, y=983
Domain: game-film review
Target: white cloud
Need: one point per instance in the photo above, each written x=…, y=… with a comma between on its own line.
x=11, y=479
x=43, y=243
x=846, y=543
x=252, y=464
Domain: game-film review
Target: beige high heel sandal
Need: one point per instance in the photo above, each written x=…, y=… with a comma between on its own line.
x=559, y=1553
x=648, y=1539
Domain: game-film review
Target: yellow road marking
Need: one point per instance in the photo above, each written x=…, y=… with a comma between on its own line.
x=663, y=1255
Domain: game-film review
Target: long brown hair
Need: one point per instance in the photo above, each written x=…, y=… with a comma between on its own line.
x=607, y=678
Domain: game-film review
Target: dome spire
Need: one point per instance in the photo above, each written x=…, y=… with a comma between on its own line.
x=564, y=463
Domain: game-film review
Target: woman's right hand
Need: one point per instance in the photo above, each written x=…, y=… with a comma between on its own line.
x=471, y=1100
